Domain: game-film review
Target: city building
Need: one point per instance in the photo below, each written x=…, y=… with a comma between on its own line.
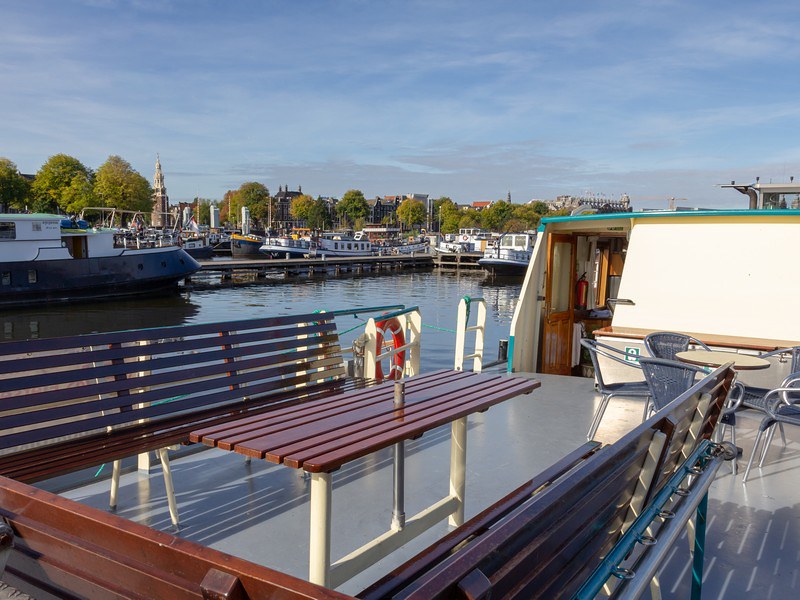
x=160, y=217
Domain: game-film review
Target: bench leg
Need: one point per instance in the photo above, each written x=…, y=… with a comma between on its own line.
x=173, y=506
x=319, y=552
x=699, y=548
x=112, y=501
x=458, y=468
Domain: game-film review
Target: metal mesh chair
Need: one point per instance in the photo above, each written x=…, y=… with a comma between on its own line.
x=667, y=379
x=755, y=397
x=634, y=389
x=782, y=406
x=666, y=344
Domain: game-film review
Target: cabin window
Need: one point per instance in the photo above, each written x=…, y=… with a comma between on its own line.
x=349, y=246
x=6, y=277
x=8, y=231
x=775, y=200
x=36, y=226
x=32, y=277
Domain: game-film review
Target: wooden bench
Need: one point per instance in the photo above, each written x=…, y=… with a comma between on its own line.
x=547, y=538
x=63, y=549
x=76, y=402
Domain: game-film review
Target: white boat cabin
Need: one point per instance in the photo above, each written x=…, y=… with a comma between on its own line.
x=720, y=276
x=30, y=237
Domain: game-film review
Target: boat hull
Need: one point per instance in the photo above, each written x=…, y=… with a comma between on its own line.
x=132, y=273
x=246, y=247
x=496, y=266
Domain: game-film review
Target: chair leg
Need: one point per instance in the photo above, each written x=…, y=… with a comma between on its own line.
x=173, y=507
x=112, y=501
x=598, y=415
x=767, y=444
x=752, y=455
x=646, y=412
x=734, y=462
x=783, y=434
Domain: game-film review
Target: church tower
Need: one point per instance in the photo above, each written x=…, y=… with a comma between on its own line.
x=160, y=218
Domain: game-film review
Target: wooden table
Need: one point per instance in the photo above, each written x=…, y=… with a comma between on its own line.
x=321, y=436
x=717, y=358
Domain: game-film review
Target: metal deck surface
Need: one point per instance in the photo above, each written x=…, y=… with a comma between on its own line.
x=260, y=511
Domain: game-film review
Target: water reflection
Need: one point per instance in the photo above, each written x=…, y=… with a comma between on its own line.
x=436, y=293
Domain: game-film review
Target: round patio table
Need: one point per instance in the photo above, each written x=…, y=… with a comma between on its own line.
x=716, y=358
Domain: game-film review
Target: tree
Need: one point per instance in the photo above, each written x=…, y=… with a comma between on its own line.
x=494, y=217
x=51, y=186
x=203, y=210
x=319, y=217
x=353, y=207
x=255, y=196
x=301, y=207
x=539, y=207
x=528, y=214
x=228, y=210
x=448, y=215
x=14, y=188
x=469, y=218
x=118, y=185
x=411, y=212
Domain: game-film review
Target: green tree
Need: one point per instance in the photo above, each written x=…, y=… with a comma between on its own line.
x=353, y=207
x=301, y=207
x=118, y=185
x=528, y=214
x=229, y=208
x=319, y=217
x=469, y=218
x=411, y=212
x=51, y=186
x=495, y=216
x=539, y=207
x=14, y=188
x=203, y=210
x=449, y=215
x=255, y=196
x=79, y=194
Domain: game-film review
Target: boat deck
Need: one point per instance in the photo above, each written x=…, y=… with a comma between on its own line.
x=260, y=511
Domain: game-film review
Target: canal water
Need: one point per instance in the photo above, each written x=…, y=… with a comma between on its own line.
x=436, y=293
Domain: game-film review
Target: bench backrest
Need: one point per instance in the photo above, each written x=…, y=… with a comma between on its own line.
x=550, y=544
x=64, y=549
x=52, y=389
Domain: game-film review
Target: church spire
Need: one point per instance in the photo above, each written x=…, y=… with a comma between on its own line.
x=160, y=198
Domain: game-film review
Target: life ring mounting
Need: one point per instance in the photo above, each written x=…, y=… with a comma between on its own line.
x=390, y=326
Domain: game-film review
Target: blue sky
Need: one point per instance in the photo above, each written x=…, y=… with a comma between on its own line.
x=473, y=100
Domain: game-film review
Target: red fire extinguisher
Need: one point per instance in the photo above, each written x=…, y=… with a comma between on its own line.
x=581, y=291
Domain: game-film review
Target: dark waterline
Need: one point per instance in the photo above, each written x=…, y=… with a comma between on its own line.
x=436, y=293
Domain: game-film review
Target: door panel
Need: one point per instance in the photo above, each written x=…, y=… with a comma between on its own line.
x=559, y=292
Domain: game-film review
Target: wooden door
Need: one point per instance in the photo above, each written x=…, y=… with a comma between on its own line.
x=559, y=300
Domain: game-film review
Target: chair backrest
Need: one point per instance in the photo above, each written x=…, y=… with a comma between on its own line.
x=667, y=379
x=666, y=344
x=597, y=349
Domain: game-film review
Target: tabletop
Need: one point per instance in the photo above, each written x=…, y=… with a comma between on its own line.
x=716, y=358
x=322, y=435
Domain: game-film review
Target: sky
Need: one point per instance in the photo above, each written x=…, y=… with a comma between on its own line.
x=470, y=100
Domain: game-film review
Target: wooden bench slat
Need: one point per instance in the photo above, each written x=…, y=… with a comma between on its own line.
x=327, y=418
x=323, y=461
x=149, y=358
x=162, y=386
x=16, y=347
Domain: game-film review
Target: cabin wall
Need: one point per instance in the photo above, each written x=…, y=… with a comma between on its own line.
x=715, y=277
x=523, y=345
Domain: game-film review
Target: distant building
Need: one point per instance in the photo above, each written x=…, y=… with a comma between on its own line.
x=478, y=205
x=160, y=216
x=282, y=215
x=598, y=203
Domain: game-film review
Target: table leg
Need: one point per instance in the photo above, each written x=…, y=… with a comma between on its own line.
x=319, y=557
x=458, y=468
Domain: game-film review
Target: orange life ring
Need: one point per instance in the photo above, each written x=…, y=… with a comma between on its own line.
x=398, y=340
x=465, y=238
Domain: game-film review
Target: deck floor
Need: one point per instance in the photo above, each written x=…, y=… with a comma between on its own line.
x=260, y=511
